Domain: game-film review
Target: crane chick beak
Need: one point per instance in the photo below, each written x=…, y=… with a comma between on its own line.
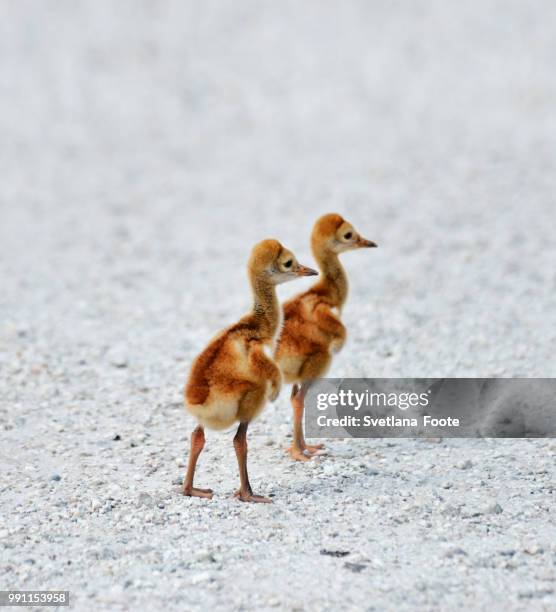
x=366, y=244
x=305, y=271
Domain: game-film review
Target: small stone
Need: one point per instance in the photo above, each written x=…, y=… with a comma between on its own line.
x=108, y=553
x=334, y=553
x=465, y=465
x=201, y=577
x=203, y=555
x=454, y=551
x=114, y=491
x=144, y=499
x=534, y=594
x=117, y=356
x=56, y=477
x=493, y=508
x=451, y=510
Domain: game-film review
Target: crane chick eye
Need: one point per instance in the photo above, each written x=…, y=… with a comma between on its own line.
x=288, y=264
x=348, y=235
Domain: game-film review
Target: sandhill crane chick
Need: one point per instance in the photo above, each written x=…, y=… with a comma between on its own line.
x=312, y=330
x=231, y=380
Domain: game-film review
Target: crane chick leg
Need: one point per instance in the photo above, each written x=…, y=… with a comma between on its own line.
x=314, y=367
x=312, y=449
x=197, y=445
x=299, y=449
x=245, y=492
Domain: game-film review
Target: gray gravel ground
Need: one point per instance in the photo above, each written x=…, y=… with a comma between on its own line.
x=145, y=147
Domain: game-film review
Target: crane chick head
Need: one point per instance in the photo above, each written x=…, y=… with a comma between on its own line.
x=333, y=233
x=274, y=263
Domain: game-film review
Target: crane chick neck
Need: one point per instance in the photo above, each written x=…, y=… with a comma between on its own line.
x=266, y=309
x=334, y=282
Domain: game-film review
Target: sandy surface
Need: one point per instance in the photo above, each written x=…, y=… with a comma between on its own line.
x=145, y=148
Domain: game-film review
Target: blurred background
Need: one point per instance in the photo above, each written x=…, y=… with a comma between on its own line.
x=145, y=146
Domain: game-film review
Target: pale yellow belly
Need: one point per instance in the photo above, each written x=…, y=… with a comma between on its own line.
x=221, y=411
x=290, y=367
x=217, y=413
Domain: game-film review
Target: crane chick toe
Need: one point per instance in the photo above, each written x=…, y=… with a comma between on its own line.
x=196, y=492
x=315, y=449
x=297, y=454
x=249, y=496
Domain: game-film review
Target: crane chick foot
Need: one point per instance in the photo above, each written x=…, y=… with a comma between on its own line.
x=297, y=454
x=196, y=492
x=314, y=449
x=306, y=452
x=249, y=496
x=300, y=450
